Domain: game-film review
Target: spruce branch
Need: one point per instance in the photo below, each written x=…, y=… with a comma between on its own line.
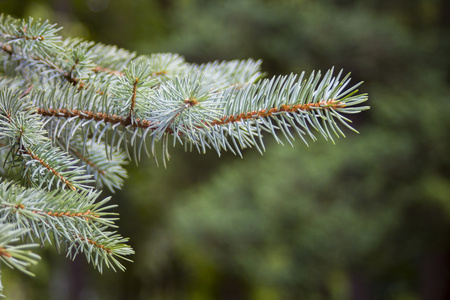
x=73, y=112
x=31, y=35
x=108, y=171
x=40, y=162
x=42, y=165
x=197, y=112
x=13, y=255
x=72, y=219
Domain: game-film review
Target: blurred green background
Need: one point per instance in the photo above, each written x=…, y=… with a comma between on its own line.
x=367, y=218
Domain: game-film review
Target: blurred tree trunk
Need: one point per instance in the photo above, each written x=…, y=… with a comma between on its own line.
x=435, y=276
x=76, y=283
x=360, y=286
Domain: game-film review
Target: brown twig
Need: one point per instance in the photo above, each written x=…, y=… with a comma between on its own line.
x=144, y=124
x=133, y=97
x=87, y=161
x=85, y=215
x=53, y=171
x=283, y=108
x=92, y=242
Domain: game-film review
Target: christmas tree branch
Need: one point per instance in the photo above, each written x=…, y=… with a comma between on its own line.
x=72, y=112
x=72, y=218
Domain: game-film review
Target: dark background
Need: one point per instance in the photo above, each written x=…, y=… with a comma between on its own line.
x=367, y=218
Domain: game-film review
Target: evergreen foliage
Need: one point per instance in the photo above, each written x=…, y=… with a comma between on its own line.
x=72, y=113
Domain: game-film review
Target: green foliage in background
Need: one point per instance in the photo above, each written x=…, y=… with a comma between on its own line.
x=367, y=217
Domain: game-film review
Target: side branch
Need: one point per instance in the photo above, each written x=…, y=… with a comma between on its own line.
x=67, y=75
x=85, y=215
x=90, y=115
x=50, y=65
x=7, y=48
x=53, y=171
x=333, y=104
x=96, y=244
x=133, y=97
x=39, y=38
x=87, y=161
